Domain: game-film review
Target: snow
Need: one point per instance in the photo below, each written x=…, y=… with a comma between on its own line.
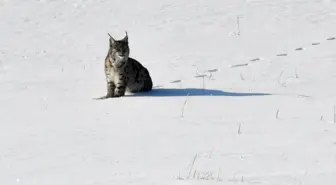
x=264, y=115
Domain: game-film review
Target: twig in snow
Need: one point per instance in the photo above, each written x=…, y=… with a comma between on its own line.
x=238, y=25
x=239, y=129
x=296, y=74
x=277, y=114
x=192, y=166
x=201, y=76
x=282, y=84
x=184, y=104
x=280, y=77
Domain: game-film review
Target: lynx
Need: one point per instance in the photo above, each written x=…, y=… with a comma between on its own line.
x=123, y=73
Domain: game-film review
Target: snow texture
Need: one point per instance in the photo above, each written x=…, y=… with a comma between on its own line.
x=244, y=93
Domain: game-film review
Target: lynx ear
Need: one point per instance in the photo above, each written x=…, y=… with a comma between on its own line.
x=112, y=40
x=125, y=39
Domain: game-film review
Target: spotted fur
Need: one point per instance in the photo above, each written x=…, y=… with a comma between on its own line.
x=123, y=73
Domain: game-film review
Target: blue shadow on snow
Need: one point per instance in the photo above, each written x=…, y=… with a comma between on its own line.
x=163, y=92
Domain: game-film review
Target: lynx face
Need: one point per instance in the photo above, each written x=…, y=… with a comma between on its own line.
x=119, y=51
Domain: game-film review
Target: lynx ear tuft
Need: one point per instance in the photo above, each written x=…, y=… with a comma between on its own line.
x=112, y=40
x=125, y=39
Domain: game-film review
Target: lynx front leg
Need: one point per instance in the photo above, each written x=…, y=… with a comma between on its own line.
x=109, y=79
x=120, y=88
x=110, y=89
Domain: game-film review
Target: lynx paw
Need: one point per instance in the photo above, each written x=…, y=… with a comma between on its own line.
x=118, y=93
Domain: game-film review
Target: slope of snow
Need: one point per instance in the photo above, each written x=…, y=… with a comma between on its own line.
x=264, y=116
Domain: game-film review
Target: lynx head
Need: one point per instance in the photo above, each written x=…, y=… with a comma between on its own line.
x=119, y=50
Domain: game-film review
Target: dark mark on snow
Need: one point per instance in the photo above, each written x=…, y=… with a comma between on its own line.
x=281, y=54
x=238, y=65
x=254, y=59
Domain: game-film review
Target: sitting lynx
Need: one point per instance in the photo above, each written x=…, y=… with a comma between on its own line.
x=124, y=73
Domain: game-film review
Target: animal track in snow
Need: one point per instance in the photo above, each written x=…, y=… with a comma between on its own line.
x=212, y=70
x=247, y=63
x=239, y=65
x=200, y=76
x=281, y=54
x=254, y=59
x=176, y=81
x=157, y=86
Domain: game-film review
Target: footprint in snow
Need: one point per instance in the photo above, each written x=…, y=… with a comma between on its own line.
x=212, y=70
x=238, y=65
x=254, y=59
x=176, y=81
x=157, y=86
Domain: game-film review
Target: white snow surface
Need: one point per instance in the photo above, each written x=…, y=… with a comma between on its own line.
x=259, y=118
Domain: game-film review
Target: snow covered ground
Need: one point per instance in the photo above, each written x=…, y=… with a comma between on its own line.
x=264, y=116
